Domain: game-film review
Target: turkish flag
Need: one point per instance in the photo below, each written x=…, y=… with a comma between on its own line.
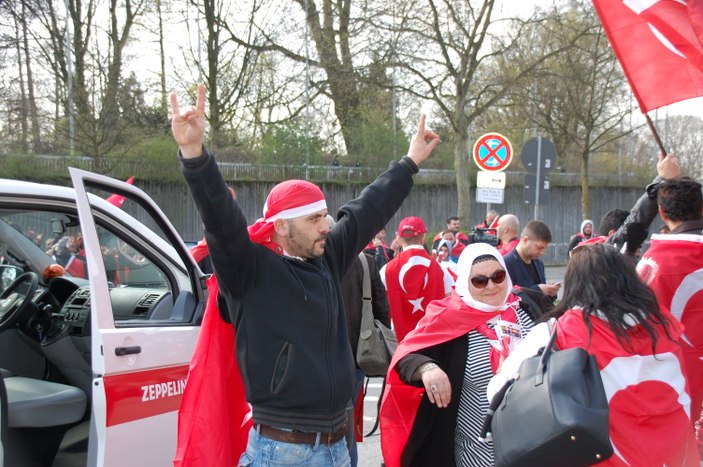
x=445, y=320
x=648, y=395
x=673, y=268
x=413, y=280
x=658, y=47
x=118, y=200
x=214, y=418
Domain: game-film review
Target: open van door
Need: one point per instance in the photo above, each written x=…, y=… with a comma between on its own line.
x=3, y=419
x=146, y=299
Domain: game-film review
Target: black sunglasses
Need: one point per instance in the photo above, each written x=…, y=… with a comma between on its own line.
x=481, y=281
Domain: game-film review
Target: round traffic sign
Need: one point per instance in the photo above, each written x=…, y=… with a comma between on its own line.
x=493, y=152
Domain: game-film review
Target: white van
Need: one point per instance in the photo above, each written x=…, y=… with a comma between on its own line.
x=93, y=354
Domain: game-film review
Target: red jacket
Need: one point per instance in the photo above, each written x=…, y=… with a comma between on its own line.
x=673, y=268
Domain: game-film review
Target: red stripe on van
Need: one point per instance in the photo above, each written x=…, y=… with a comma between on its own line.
x=142, y=394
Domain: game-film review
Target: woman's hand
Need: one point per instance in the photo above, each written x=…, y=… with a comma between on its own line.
x=437, y=385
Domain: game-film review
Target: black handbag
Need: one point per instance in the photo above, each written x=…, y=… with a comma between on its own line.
x=377, y=343
x=553, y=413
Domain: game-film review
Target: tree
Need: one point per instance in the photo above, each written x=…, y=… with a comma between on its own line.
x=88, y=76
x=682, y=136
x=335, y=33
x=578, y=98
x=286, y=144
x=119, y=35
x=444, y=52
x=228, y=69
x=30, y=129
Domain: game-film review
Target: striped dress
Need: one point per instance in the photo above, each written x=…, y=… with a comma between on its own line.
x=473, y=403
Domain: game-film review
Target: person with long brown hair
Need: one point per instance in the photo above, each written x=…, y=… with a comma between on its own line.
x=607, y=310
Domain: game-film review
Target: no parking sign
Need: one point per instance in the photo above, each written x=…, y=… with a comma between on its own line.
x=493, y=152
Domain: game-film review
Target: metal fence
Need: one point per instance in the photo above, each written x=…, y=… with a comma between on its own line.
x=434, y=196
x=53, y=167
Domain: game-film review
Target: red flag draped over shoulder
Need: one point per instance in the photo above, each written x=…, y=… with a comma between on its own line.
x=658, y=47
x=214, y=418
x=445, y=320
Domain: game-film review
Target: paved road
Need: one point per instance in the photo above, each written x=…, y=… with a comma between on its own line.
x=370, y=448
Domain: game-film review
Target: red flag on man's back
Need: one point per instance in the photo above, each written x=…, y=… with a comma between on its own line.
x=214, y=418
x=657, y=46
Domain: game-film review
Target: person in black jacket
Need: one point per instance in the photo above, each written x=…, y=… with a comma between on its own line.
x=353, y=296
x=523, y=263
x=280, y=279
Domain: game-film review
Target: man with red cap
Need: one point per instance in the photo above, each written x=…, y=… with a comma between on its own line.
x=280, y=279
x=413, y=279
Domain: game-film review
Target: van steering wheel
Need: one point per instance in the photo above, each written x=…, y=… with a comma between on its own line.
x=15, y=300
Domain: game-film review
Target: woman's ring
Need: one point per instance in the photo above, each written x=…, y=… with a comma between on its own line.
x=433, y=388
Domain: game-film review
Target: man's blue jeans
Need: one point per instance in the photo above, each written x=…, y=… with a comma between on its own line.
x=262, y=451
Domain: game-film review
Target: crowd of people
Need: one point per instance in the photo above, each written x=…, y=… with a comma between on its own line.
x=65, y=250
x=465, y=314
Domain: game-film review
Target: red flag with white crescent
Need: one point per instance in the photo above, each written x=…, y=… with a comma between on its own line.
x=658, y=47
x=648, y=395
x=673, y=268
x=413, y=280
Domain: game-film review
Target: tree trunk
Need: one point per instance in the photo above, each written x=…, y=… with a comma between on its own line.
x=463, y=181
x=346, y=99
x=31, y=101
x=83, y=112
x=213, y=47
x=24, y=143
x=585, y=197
x=162, y=60
x=332, y=45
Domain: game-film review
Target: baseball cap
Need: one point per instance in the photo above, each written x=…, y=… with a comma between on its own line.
x=411, y=227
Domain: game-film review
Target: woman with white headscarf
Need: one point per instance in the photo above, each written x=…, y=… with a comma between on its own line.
x=434, y=403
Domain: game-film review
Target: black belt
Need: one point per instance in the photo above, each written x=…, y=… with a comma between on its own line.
x=299, y=437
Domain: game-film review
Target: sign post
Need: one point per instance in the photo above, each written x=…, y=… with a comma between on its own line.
x=538, y=155
x=492, y=154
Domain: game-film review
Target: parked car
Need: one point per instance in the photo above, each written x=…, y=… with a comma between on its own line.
x=99, y=314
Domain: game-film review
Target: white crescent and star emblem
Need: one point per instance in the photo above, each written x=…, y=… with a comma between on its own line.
x=624, y=372
x=639, y=6
x=414, y=261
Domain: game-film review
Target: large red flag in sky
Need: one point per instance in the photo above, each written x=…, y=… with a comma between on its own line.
x=657, y=44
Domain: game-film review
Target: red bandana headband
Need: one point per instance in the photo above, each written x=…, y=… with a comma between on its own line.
x=287, y=200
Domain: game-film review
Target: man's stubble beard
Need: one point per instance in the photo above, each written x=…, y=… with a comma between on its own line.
x=304, y=251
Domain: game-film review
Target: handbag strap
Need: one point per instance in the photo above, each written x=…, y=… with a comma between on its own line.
x=367, y=278
x=366, y=309
x=539, y=377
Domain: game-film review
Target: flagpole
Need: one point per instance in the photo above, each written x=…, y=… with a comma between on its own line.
x=660, y=145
